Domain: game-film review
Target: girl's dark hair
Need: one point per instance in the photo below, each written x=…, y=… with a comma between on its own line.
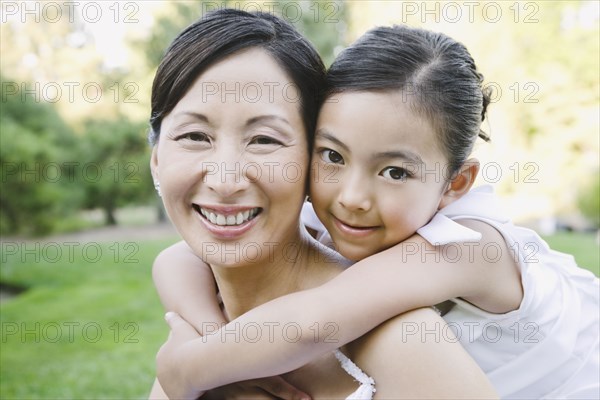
x=435, y=73
x=227, y=31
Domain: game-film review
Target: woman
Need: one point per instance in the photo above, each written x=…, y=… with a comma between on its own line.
x=234, y=106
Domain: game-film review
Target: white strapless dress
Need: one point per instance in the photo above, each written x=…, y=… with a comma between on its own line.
x=367, y=384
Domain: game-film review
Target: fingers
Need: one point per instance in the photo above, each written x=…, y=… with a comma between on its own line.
x=180, y=328
x=280, y=388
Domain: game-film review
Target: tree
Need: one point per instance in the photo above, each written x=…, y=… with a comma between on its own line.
x=35, y=166
x=60, y=80
x=116, y=170
x=323, y=23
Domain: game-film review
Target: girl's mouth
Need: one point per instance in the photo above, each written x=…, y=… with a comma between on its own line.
x=354, y=231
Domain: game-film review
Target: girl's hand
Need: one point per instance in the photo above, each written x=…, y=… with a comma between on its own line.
x=173, y=374
x=258, y=389
x=170, y=360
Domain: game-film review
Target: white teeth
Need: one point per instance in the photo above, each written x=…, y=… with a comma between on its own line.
x=228, y=220
x=213, y=218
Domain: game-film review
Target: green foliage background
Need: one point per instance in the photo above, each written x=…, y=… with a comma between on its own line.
x=87, y=327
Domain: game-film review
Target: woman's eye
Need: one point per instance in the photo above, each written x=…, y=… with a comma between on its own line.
x=395, y=173
x=264, y=140
x=195, y=137
x=331, y=156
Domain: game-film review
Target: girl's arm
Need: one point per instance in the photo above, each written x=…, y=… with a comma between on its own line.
x=409, y=275
x=185, y=285
x=157, y=393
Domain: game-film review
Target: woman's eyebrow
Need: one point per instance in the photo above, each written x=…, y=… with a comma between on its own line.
x=324, y=134
x=193, y=114
x=268, y=117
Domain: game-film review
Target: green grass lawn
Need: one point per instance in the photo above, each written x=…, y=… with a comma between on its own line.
x=583, y=246
x=90, y=323
x=88, y=327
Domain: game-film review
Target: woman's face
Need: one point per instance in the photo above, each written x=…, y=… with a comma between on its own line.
x=231, y=160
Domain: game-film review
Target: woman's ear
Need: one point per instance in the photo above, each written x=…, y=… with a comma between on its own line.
x=154, y=163
x=461, y=182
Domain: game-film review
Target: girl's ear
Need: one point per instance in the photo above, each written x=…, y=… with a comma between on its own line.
x=461, y=183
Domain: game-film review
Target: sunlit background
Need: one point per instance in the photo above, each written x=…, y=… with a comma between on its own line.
x=80, y=222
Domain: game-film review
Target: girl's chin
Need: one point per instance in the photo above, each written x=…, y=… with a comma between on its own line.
x=353, y=253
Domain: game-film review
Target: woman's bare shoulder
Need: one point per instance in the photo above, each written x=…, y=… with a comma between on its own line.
x=416, y=355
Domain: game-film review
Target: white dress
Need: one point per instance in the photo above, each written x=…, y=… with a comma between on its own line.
x=367, y=384
x=548, y=347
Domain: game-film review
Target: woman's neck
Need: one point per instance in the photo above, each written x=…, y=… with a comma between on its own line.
x=289, y=266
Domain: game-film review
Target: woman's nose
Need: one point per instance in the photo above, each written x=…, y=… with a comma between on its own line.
x=225, y=176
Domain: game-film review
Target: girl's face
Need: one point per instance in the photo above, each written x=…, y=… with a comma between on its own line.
x=378, y=171
x=231, y=160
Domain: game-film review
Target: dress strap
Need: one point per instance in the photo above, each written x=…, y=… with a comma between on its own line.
x=367, y=384
x=442, y=230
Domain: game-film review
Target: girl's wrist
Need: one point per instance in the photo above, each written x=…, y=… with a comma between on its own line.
x=191, y=370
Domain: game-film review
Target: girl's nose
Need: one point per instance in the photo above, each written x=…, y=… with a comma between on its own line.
x=355, y=195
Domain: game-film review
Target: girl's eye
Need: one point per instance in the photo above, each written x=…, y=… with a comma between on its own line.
x=331, y=156
x=264, y=140
x=394, y=173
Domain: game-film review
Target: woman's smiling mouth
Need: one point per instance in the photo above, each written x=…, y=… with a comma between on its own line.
x=229, y=216
x=227, y=222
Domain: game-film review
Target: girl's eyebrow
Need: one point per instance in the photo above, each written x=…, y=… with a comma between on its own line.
x=404, y=154
x=324, y=134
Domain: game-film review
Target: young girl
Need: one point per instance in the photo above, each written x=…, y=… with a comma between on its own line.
x=392, y=186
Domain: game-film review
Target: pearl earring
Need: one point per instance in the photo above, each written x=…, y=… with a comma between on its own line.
x=157, y=187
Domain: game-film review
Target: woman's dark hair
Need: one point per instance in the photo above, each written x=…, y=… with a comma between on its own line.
x=436, y=74
x=224, y=32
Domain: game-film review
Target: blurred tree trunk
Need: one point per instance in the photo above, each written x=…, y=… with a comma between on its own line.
x=109, y=213
x=161, y=216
